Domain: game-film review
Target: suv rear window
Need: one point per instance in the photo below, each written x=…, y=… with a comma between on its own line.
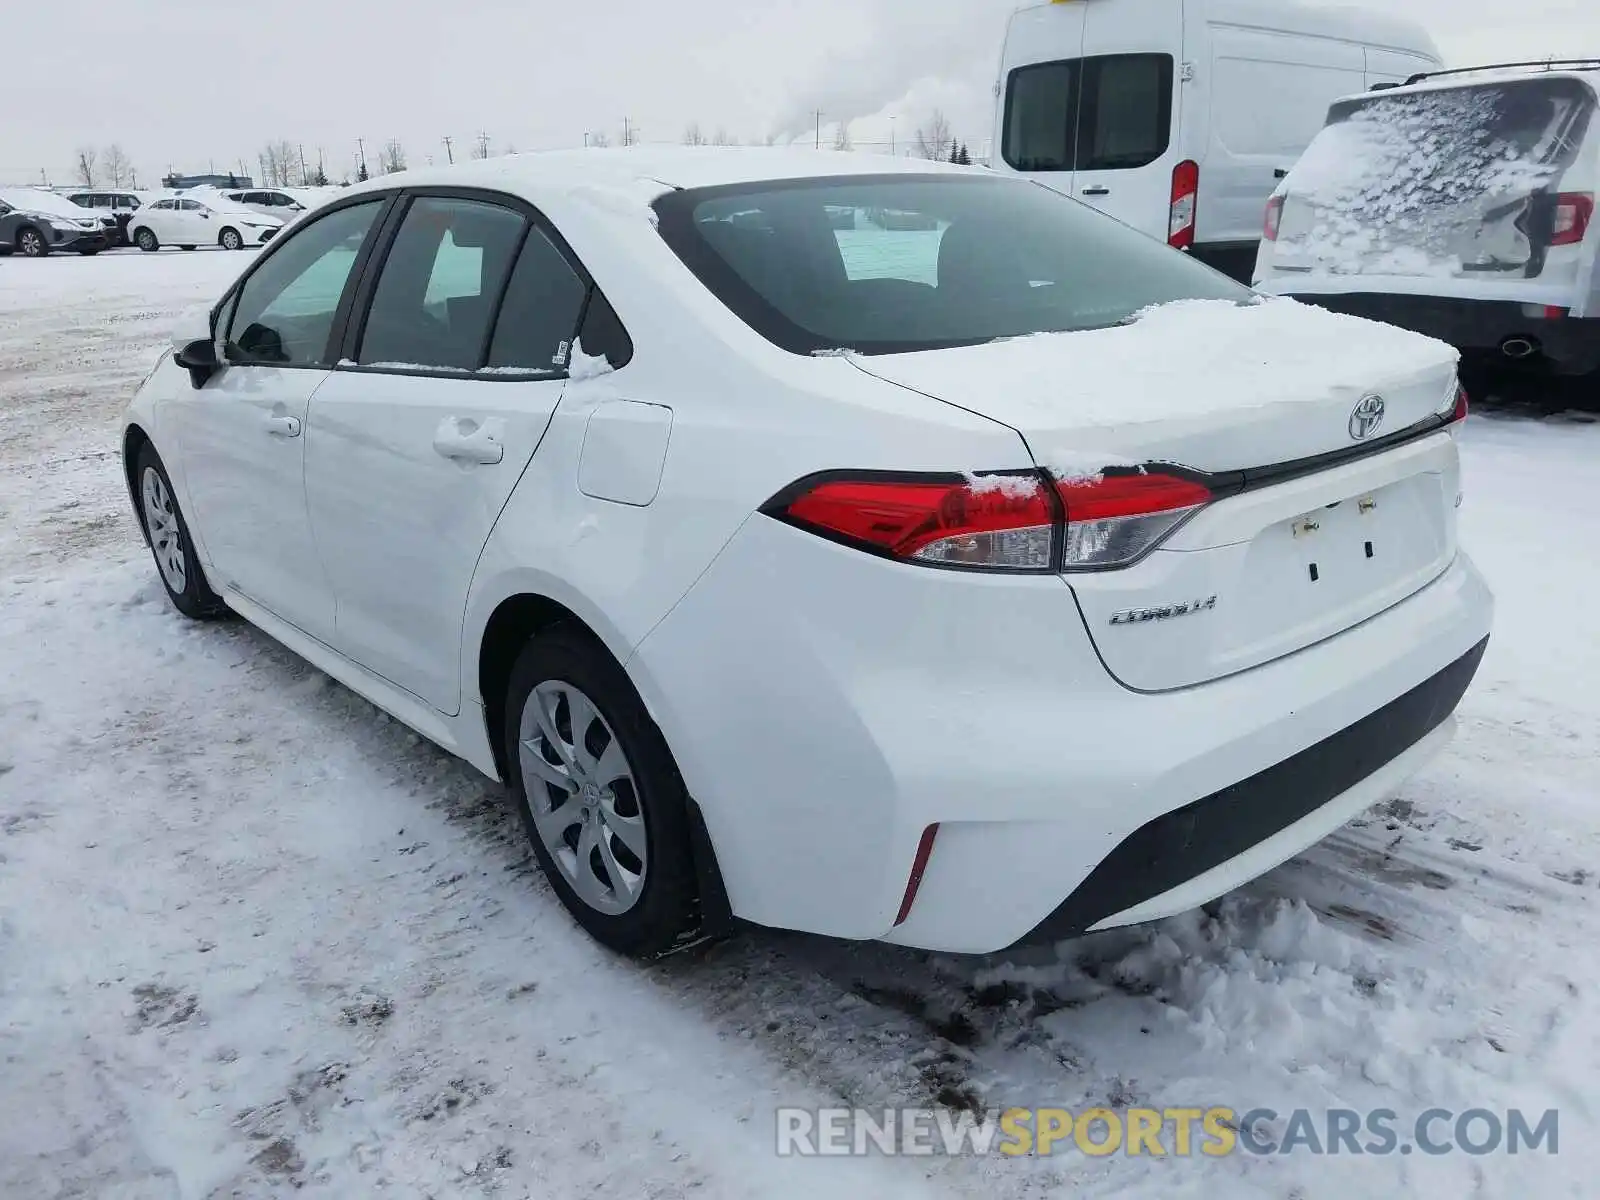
x=1105, y=113
x=1451, y=180
x=891, y=263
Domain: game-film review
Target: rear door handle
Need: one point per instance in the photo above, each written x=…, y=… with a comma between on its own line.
x=1096, y=191
x=283, y=426
x=465, y=440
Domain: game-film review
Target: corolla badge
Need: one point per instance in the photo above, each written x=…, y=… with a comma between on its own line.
x=1366, y=416
x=1138, y=616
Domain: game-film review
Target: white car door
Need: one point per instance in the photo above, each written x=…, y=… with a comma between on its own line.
x=241, y=436
x=158, y=215
x=413, y=449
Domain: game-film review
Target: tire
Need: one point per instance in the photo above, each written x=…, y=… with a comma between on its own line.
x=145, y=238
x=230, y=240
x=31, y=242
x=186, y=247
x=167, y=532
x=652, y=905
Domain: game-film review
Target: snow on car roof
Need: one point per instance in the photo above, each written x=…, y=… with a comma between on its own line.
x=41, y=201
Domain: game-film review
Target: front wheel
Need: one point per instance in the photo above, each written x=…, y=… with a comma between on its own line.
x=170, y=543
x=32, y=243
x=600, y=795
x=230, y=240
x=146, y=239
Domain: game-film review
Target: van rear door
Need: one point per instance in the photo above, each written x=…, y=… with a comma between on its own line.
x=1039, y=72
x=1129, y=111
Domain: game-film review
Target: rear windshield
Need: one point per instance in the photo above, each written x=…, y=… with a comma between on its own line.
x=1106, y=113
x=1457, y=180
x=884, y=264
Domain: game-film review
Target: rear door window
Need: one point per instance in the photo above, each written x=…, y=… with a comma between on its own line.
x=1103, y=113
x=539, y=315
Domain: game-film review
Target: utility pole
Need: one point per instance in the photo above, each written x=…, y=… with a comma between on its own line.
x=449, y=153
x=483, y=144
x=819, y=129
x=891, y=137
x=361, y=155
x=628, y=132
x=302, y=149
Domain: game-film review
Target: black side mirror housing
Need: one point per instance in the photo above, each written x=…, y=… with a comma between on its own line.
x=199, y=358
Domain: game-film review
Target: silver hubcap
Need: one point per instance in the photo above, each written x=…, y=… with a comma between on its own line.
x=161, y=522
x=583, y=797
x=230, y=240
x=31, y=242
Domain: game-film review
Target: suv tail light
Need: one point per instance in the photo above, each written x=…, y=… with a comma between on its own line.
x=1185, y=196
x=1274, y=218
x=1573, y=211
x=1018, y=521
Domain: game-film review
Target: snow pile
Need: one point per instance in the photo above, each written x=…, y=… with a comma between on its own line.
x=1421, y=184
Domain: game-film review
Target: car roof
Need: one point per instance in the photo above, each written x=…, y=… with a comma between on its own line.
x=651, y=170
x=1465, y=77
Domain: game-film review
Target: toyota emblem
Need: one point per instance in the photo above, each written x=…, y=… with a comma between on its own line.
x=1366, y=417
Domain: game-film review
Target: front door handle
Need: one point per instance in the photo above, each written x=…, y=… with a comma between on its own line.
x=1097, y=190
x=467, y=441
x=283, y=426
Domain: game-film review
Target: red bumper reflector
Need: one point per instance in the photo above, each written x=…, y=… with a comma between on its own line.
x=918, y=865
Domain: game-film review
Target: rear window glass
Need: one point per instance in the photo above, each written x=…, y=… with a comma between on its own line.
x=1453, y=181
x=1107, y=113
x=884, y=264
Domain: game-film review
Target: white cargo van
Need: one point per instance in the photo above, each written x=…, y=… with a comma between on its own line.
x=1178, y=117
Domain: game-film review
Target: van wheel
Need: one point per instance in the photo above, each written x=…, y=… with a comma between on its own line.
x=600, y=795
x=146, y=239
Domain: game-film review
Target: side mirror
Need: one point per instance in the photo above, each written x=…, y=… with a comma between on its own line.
x=193, y=347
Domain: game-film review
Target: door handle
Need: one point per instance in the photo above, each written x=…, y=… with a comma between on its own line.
x=283, y=426
x=466, y=441
x=1097, y=190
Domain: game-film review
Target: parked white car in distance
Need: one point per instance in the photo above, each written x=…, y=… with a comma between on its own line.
x=200, y=219
x=875, y=548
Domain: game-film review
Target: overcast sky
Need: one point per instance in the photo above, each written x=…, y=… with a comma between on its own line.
x=197, y=83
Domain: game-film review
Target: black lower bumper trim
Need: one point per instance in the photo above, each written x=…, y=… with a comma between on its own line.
x=1479, y=329
x=1191, y=840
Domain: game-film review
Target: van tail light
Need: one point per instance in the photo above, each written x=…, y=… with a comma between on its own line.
x=1008, y=521
x=1185, y=196
x=1573, y=212
x=1274, y=218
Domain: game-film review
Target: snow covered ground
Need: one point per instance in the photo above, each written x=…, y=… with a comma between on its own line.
x=257, y=939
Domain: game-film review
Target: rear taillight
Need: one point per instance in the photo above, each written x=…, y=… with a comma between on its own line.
x=1459, y=412
x=1573, y=212
x=1274, y=218
x=1185, y=196
x=1001, y=522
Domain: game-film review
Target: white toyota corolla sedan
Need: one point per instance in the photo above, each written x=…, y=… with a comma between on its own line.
x=882, y=550
x=200, y=218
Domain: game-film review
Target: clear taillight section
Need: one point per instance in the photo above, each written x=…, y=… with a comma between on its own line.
x=1001, y=522
x=1573, y=213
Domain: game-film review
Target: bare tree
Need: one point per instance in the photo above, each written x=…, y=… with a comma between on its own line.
x=694, y=135
x=723, y=138
x=115, y=162
x=934, y=140
x=481, y=149
x=280, y=164
x=392, y=158
x=841, y=140
x=599, y=140
x=85, y=168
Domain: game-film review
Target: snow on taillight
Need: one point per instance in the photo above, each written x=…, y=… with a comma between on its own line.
x=991, y=522
x=1185, y=195
x=1274, y=218
x=1013, y=521
x=1112, y=520
x=1573, y=212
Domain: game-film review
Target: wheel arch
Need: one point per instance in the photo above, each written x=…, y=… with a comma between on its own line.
x=134, y=439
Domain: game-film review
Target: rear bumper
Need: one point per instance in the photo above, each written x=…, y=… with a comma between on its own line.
x=1479, y=329
x=826, y=708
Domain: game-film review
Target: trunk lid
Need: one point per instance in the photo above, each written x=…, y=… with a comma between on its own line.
x=1297, y=555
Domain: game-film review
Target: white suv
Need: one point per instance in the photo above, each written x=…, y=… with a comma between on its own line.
x=1460, y=205
x=879, y=549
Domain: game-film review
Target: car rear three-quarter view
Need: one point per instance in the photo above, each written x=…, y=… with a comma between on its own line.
x=1199, y=604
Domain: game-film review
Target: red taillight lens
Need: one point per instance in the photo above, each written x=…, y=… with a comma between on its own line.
x=1185, y=195
x=1274, y=218
x=1459, y=412
x=998, y=522
x=1573, y=212
x=1114, y=519
x=1006, y=522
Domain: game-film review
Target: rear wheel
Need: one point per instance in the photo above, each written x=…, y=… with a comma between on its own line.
x=146, y=239
x=600, y=795
x=170, y=542
x=230, y=240
x=32, y=243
